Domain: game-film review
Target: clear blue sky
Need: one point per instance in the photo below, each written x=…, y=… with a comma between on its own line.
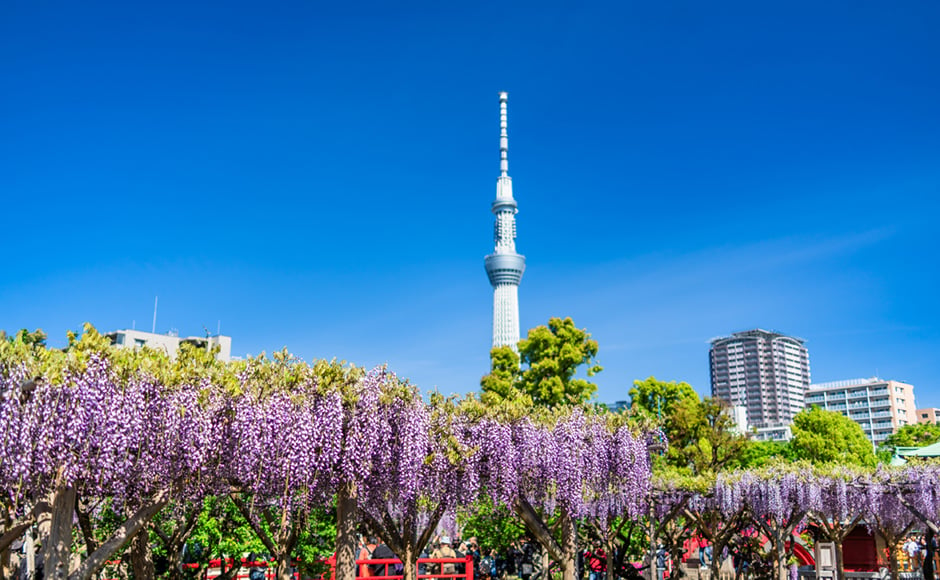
x=319, y=174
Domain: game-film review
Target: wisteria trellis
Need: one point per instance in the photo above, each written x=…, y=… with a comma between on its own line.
x=292, y=439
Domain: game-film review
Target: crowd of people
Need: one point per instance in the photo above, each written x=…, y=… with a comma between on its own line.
x=915, y=549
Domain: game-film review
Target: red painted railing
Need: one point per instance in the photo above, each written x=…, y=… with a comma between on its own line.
x=215, y=568
x=467, y=574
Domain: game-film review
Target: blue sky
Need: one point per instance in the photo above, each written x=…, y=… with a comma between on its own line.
x=318, y=176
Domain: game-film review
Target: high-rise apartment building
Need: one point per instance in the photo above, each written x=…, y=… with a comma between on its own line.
x=766, y=372
x=881, y=407
x=505, y=266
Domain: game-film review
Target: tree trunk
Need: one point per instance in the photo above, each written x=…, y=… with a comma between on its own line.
x=895, y=566
x=283, y=566
x=610, y=560
x=409, y=562
x=174, y=561
x=6, y=573
x=840, y=565
x=173, y=544
x=228, y=573
x=569, y=547
x=674, y=539
x=14, y=530
x=87, y=569
x=780, y=559
x=141, y=556
x=56, y=547
x=929, y=555
x=347, y=507
x=714, y=567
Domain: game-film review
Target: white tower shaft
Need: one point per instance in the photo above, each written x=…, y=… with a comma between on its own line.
x=504, y=266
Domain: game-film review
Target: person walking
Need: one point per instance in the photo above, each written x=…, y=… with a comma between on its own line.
x=445, y=551
x=596, y=562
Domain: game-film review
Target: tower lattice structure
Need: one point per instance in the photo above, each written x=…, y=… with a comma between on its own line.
x=504, y=266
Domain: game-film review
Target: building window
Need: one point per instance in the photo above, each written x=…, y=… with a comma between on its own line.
x=139, y=342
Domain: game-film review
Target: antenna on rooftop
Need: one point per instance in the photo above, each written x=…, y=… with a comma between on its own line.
x=153, y=329
x=218, y=328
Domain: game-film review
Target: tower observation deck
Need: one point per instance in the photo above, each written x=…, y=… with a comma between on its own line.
x=504, y=266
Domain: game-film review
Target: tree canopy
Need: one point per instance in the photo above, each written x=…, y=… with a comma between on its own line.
x=828, y=437
x=916, y=435
x=701, y=433
x=543, y=373
x=658, y=398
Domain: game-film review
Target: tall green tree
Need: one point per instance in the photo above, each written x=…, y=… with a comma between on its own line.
x=544, y=372
x=703, y=438
x=827, y=437
x=758, y=454
x=659, y=399
x=701, y=433
x=494, y=525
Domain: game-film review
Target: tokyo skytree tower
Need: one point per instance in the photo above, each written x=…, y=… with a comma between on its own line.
x=504, y=266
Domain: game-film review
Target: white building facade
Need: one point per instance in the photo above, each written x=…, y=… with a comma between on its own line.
x=881, y=407
x=170, y=343
x=504, y=267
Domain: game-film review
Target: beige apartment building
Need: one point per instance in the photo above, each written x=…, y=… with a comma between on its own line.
x=929, y=415
x=881, y=407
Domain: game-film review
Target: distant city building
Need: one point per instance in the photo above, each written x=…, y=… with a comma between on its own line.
x=881, y=407
x=929, y=415
x=170, y=343
x=504, y=266
x=777, y=433
x=765, y=372
x=617, y=406
x=739, y=415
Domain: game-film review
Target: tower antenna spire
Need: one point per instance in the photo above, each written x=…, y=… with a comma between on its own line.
x=503, y=135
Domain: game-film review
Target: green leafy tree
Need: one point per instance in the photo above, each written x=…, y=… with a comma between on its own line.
x=317, y=542
x=494, y=526
x=544, y=372
x=827, y=437
x=502, y=384
x=701, y=432
x=702, y=436
x=221, y=531
x=36, y=338
x=917, y=435
x=659, y=399
x=758, y=454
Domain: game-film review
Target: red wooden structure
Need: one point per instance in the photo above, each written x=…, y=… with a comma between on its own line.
x=389, y=564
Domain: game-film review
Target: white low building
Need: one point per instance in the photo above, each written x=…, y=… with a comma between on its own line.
x=170, y=343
